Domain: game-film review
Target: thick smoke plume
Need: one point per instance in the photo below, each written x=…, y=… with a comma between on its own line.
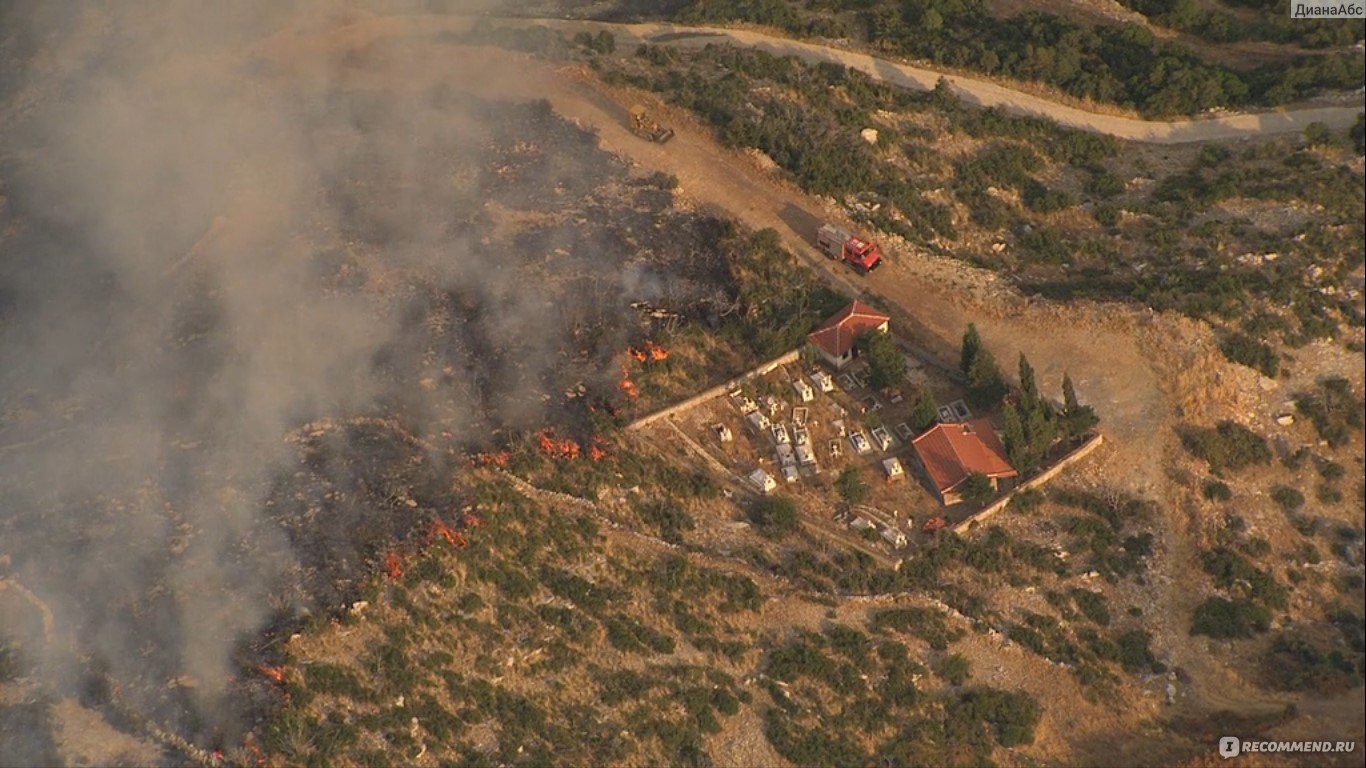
x=214, y=230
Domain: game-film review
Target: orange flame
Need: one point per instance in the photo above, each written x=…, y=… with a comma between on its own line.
x=559, y=449
x=453, y=537
x=598, y=451
x=651, y=352
x=274, y=673
x=628, y=386
x=394, y=565
x=499, y=459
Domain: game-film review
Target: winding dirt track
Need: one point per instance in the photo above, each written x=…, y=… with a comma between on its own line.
x=981, y=93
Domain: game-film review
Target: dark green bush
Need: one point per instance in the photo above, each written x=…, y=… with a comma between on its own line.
x=1289, y=499
x=776, y=516
x=1216, y=490
x=1294, y=663
x=955, y=669
x=1228, y=446
x=1221, y=618
x=1254, y=353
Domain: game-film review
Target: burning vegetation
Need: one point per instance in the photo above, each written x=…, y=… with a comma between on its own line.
x=214, y=524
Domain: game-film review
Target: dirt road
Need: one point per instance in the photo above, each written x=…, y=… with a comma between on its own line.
x=977, y=92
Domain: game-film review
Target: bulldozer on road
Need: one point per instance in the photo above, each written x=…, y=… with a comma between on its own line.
x=648, y=129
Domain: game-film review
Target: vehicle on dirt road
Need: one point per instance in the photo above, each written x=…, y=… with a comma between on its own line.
x=841, y=244
x=648, y=129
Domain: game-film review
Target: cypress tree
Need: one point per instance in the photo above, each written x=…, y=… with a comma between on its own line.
x=972, y=345
x=1013, y=436
x=1077, y=419
x=986, y=386
x=1027, y=385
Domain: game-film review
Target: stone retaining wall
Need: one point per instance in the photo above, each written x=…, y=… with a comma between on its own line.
x=716, y=391
x=1080, y=453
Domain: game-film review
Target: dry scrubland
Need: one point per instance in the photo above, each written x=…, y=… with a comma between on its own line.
x=469, y=588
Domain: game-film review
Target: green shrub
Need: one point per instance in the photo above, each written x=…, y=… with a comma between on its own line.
x=1287, y=498
x=776, y=516
x=1333, y=408
x=1216, y=490
x=1011, y=715
x=1294, y=663
x=1331, y=470
x=1221, y=618
x=1228, y=446
x=851, y=487
x=1231, y=570
x=1027, y=500
x=1245, y=350
x=1327, y=494
x=925, y=623
x=668, y=516
x=1135, y=655
x=1092, y=605
x=955, y=669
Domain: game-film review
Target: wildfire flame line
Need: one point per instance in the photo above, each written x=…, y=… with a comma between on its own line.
x=393, y=565
x=559, y=449
x=628, y=386
x=453, y=537
x=274, y=673
x=499, y=459
x=650, y=352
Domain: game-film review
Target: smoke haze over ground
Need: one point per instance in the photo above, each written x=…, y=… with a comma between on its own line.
x=211, y=235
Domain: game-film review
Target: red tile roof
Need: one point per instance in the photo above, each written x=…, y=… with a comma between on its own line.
x=951, y=452
x=836, y=336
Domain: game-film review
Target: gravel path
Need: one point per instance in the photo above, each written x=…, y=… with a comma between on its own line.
x=981, y=93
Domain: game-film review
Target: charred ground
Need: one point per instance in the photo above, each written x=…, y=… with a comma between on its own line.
x=500, y=254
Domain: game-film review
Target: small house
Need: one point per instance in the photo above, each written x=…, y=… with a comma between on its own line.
x=949, y=453
x=763, y=481
x=835, y=339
